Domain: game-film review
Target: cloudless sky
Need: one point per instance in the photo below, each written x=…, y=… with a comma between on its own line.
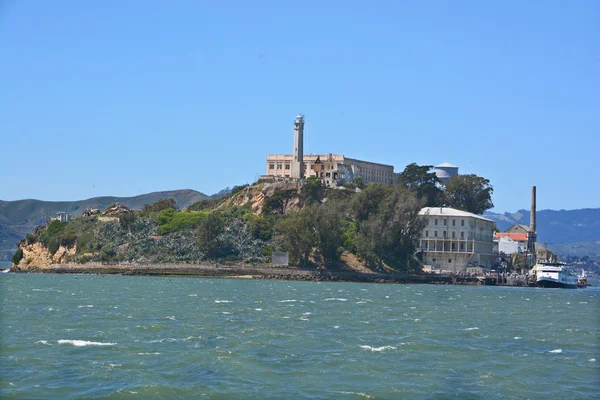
x=128, y=97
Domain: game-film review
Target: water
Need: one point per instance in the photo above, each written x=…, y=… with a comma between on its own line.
x=77, y=336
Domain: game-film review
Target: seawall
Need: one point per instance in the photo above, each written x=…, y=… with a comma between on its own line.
x=245, y=272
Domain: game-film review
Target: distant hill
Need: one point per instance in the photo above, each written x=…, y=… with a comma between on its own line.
x=19, y=217
x=567, y=232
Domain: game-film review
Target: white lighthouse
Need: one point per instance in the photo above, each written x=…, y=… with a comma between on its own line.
x=298, y=163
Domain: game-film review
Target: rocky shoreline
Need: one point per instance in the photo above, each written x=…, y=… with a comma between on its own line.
x=248, y=272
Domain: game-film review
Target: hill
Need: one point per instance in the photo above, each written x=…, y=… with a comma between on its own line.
x=17, y=218
x=567, y=232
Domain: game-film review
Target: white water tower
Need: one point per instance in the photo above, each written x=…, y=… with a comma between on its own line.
x=445, y=172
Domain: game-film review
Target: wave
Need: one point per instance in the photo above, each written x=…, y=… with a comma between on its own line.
x=471, y=329
x=555, y=351
x=80, y=343
x=223, y=301
x=358, y=394
x=382, y=348
x=287, y=301
x=43, y=342
x=88, y=306
x=336, y=298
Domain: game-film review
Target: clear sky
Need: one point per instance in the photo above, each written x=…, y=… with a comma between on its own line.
x=128, y=97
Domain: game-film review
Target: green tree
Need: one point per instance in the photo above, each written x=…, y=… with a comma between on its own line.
x=159, y=205
x=18, y=256
x=275, y=204
x=390, y=233
x=310, y=191
x=470, y=193
x=367, y=201
x=423, y=183
x=326, y=223
x=209, y=230
x=298, y=234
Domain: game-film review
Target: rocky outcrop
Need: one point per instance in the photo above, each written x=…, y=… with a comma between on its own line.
x=255, y=196
x=37, y=256
x=88, y=212
x=115, y=210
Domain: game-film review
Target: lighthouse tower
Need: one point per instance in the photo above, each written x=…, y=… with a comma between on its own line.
x=298, y=163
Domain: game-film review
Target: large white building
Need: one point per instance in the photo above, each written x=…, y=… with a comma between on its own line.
x=332, y=169
x=454, y=240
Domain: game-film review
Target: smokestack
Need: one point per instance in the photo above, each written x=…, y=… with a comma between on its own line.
x=532, y=216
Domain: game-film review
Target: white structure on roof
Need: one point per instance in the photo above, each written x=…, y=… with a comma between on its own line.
x=445, y=172
x=453, y=240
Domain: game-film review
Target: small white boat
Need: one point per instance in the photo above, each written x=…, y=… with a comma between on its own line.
x=4, y=271
x=553, y=275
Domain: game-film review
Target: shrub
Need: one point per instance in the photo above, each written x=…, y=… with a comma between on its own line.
x=54, y=229
x=159, y=205
x=18, y=256
x=171, y=221
x=31, y=238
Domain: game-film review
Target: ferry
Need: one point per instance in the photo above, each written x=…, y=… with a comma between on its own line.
x=553, y=275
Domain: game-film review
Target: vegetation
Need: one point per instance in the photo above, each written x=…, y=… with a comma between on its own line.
x=159, y=205
x=470, y=193
x=18, y=256
x=423, y=183
x=378, y=223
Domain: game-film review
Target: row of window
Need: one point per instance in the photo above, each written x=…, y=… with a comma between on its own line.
x=462, y=247
x=444, y=234
x=435, y=222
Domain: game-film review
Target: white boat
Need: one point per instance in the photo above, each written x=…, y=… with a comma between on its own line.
x=582, y=280
x=553, y=275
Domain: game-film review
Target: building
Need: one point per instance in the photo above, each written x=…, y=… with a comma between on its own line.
x=509, y=243
x=454, y=240
x=333, y=169
x=62, y=216
x=445, y=172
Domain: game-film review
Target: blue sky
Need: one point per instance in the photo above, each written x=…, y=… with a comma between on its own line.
x=128, y=97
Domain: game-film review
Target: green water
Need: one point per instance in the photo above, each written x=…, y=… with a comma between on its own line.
x=77, y=336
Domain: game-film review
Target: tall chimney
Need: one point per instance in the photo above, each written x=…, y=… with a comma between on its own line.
x=532, y=216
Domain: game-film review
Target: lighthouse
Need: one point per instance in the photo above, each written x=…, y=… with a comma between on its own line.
x=298, y=163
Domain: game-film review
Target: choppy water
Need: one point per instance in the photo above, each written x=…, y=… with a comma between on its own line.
x=75, y=336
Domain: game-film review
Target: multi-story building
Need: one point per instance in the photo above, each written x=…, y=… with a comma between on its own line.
x=454, y=240
x=333, y=169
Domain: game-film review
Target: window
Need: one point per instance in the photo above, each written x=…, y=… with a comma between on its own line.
x=278, y=166
x=444, y=234
x=445, y=221
x=327, y=174
x=462, y=235
x=433, y=259
x=434, y=233
x=449, y=260
x=312, y=166
x=271, y=166
x=453, y=222
x=453, y=235
x=436, y=221
x=287, y=166
x=426, y=233
x=462, y=246
x=462, y=222
x=453, y=246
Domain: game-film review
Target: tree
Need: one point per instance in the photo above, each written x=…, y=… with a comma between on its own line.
x=390, y=234
x=299, y=238
x=423, y=183
x=367, y=201
x=159, y=205
x=209, y=230
x=18, y=256
x=470, y=193
x=326, y=223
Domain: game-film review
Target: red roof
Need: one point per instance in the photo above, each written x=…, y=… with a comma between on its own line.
x=517, y=237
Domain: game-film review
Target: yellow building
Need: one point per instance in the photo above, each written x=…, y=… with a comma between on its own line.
x=454, y=240
x=333, y=169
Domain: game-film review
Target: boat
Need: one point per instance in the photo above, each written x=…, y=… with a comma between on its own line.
x=553, y=275
x=582, y=280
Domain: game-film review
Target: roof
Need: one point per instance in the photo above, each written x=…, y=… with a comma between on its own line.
x=450, y=212
x=446, y=165
x=517, y=237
